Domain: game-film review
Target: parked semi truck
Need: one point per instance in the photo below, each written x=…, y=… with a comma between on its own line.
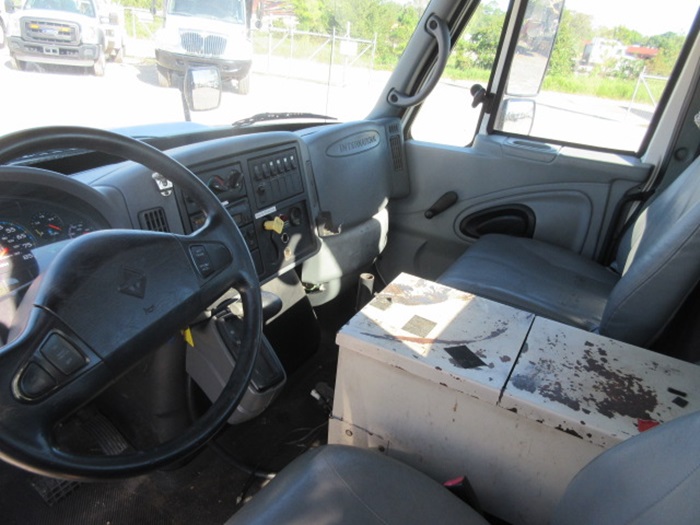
x=205, y=32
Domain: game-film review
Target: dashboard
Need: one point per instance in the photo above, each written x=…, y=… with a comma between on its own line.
x=312, y=203
x=309, y=199
x=267, y=193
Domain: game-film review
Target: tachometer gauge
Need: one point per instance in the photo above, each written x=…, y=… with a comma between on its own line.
x=47, y=226
x=17, y=263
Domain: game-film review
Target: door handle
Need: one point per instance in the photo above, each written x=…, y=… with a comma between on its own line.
x=444, y=202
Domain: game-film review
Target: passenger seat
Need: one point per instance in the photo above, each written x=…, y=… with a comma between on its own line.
x=656, y=266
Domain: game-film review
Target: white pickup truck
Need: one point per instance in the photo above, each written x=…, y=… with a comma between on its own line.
x=80, y=33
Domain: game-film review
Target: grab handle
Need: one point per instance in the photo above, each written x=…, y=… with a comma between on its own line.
x=439, y=30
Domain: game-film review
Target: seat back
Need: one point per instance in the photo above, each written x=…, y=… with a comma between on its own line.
x=651, y=478
x=659, y=261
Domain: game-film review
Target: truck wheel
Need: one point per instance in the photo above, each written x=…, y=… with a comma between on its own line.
x=99, y=68
x=119, y=57
x=244, y=85
x=163, y=77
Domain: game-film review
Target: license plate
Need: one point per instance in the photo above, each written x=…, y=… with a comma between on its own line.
x=48, y=50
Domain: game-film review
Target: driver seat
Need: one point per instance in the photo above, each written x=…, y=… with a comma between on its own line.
x=653, y=477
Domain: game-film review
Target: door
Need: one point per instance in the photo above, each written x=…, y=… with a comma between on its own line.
x=570, y=104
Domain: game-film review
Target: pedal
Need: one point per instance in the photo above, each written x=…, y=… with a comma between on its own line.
x=101, y=432
x=53, y=490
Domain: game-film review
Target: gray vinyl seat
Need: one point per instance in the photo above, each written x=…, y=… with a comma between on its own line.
x=656, y=266
x=651, y=478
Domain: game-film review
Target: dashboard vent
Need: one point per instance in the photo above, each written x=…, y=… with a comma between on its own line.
x=396, y=153
x=394, y=128
x=154, y=220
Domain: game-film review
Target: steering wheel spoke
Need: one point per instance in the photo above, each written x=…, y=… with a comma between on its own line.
x=48, y=373
x=107, y=299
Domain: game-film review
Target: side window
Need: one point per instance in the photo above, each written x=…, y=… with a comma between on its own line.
x=447, y=116
x=592, y=73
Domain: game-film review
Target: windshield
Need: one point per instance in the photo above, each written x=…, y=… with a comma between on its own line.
x=84, y=7
x=302, y=56
x=228, y=10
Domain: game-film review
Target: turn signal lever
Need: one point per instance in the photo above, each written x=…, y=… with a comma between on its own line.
x=444, y=202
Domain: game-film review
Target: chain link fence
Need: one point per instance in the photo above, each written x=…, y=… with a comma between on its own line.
x=335, y=59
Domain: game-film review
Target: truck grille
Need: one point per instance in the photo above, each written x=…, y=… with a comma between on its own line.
x=210, y=45
x=50, y=31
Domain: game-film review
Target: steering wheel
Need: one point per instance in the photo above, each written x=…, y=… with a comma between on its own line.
x=105, y=300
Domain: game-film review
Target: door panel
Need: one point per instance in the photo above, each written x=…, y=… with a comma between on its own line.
x=572, y=194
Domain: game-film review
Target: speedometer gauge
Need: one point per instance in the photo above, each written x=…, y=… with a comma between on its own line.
x=17, y=263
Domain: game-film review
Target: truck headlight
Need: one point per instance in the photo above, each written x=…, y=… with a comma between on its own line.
x=15, y=28
x=90, y=35
x=238, y=49
x=168, y=39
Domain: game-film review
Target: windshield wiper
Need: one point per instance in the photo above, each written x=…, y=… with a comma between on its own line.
x=266, y=117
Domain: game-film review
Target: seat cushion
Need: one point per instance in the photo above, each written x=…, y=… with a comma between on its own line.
x=338, y=484
x=653, y=477
x=534, y=276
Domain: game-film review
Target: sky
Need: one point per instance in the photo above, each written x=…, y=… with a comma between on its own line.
x=649, y=17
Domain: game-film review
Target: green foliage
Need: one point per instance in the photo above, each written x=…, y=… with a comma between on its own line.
x=566, y=48
x=311, y=14
x=387, y=21
x=669, y=46
x=601, y=87
x=478, y=46
x=142, y=4
x=624, y=35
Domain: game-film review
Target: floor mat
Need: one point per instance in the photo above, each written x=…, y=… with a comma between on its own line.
x=201, y=492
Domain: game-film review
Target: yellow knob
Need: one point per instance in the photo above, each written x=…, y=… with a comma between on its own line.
x=276, y=225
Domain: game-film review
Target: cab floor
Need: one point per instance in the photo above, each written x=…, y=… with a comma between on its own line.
x=207, y=489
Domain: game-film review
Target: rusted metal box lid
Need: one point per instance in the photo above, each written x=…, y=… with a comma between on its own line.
x=596, y=388
x=443, y=335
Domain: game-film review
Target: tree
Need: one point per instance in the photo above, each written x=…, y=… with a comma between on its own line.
x=565, y=51
x=669, y=46
x=625, y=35
x=310, y=14
x=478, y=47
x=403, y=28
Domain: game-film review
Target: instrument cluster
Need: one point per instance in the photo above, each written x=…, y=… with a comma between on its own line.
x=28, y=224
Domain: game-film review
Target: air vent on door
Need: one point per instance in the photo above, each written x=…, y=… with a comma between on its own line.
x=154, y=220
x=396, y=153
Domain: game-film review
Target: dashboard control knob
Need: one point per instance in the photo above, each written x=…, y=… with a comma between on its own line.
x=235, y=179
x=217, y=184
x=295, y=216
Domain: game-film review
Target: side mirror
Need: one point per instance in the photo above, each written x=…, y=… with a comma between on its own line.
x=202, y=88
x=9, y=7
x=534, y=48
x=516, y=115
